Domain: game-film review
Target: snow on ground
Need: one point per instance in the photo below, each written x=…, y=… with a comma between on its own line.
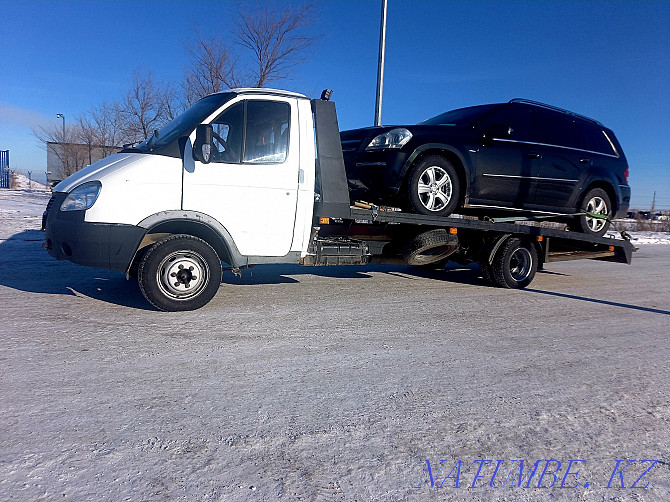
x=330, y=384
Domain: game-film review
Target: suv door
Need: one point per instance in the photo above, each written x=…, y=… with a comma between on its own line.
x=506, y=163
x=565, y=163
x=251, y=184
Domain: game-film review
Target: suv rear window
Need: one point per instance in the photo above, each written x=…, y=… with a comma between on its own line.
x=597, y=140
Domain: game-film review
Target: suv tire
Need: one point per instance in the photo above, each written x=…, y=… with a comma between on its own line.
x=595, y=201
x=433, y=187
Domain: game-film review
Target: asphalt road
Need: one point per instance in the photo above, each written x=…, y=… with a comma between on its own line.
x=345, y=383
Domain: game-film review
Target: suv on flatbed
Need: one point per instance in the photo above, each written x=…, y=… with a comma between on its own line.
x=516, y=157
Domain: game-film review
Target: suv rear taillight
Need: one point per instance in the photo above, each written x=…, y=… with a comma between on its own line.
x=625, y=175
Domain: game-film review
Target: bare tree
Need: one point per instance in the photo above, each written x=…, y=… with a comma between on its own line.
x=106, y=124
x=269, y=40
x=142, y=109
x=66, y=147
x=211, y=69
x=170, y=102
x=275, y=37
x=87, y=135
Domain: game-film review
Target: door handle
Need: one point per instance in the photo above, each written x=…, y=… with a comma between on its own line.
x=585, y=161
x=533, y=155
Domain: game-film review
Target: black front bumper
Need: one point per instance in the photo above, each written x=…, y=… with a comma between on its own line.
x=100, y=245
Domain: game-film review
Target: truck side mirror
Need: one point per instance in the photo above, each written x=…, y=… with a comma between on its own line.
x=202, y=149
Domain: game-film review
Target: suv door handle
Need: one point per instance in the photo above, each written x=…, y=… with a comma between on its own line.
x=533, y=155
x=585, y=161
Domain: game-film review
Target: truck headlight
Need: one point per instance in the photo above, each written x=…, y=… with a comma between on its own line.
x=395, y=138
x=82, y=197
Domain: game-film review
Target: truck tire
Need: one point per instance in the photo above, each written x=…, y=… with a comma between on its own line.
x=430, y=248
x=595, y=201
x=433, y=187
x=179, y=273
x=487, y=275
x=514, y=264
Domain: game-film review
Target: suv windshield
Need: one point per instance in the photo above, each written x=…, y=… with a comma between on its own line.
x=461, y=116
x=185, y=123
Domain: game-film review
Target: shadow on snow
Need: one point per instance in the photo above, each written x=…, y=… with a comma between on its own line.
x=25, y=266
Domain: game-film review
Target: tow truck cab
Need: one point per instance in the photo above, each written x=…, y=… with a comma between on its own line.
x=245, y=185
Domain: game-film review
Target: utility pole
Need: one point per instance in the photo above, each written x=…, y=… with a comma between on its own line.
x=380, y=66
x=653, y=204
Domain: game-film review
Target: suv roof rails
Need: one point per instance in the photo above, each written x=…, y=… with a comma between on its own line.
x=555, y=108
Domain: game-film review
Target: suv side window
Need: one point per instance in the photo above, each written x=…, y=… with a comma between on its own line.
x=556, y=129
x=509, y=116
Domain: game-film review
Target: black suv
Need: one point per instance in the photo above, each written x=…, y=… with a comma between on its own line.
x=520, y=157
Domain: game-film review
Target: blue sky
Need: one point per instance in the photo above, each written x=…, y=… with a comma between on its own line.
x=609, y=60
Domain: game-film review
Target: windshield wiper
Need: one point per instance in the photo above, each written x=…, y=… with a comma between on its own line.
x=153, y=139
x=131, y=145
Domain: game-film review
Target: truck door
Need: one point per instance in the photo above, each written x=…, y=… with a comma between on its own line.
x=251, y=184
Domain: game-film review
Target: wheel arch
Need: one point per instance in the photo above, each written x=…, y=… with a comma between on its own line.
x=190, y=223
x=446, y=151
x=498, y=241
x=609, y=190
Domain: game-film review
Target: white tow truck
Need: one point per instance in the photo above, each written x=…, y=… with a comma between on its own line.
x=256, y=176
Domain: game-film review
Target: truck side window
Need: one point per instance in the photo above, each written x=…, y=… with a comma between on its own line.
x=267, y=132
x=228, y=129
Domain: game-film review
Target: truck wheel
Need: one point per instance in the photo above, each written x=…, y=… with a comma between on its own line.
x=433, y=187
x=514, y=264
x=181, y=272
x=430, y=248
x=595, y=201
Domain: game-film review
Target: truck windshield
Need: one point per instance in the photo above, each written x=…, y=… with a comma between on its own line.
x=185, y=123
x=461, y=116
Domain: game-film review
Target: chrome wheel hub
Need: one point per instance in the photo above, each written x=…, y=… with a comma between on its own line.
x=182, y=275
x=434, y=188
x=596, y=206
x=520, y=264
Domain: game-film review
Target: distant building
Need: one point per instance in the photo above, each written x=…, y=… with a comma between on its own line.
x=64, y=159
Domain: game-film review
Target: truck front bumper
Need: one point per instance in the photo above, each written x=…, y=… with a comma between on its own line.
x=100, y=245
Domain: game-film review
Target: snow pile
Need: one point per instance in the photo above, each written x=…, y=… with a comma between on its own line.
x=646, y=237
x=22, y=182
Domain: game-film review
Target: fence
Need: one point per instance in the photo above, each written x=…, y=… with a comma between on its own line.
x=4, y=168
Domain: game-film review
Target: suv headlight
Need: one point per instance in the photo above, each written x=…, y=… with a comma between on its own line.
x=82, y=197
x=395, y=138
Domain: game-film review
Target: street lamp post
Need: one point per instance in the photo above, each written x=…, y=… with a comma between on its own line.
x=380, y=66
x=62, y=144
x=61, y=116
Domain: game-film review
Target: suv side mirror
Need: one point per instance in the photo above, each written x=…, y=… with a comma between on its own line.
x=202, y=149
